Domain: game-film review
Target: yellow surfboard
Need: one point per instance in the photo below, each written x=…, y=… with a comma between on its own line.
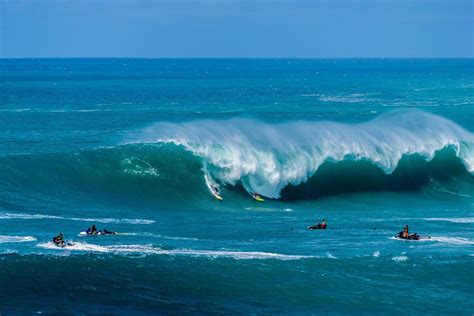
x=217, y=196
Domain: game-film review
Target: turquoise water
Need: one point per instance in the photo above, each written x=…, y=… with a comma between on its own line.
x=134, y=145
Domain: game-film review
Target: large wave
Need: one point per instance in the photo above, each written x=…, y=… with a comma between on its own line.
x=299, y=160
x=266, y=158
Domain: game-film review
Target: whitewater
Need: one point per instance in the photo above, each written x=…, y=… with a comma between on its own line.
x=135, y=146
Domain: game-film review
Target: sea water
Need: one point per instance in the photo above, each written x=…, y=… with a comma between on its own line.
x=369, y=145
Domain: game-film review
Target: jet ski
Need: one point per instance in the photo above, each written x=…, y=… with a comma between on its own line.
x=413, y=236
x=62, y=243
x=97, y=233
x=314, y=227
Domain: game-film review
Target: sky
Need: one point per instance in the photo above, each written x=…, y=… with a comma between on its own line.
x=237, y=28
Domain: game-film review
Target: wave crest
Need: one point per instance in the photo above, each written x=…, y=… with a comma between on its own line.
x=266, y=158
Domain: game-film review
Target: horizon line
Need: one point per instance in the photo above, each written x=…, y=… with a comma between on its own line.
x=249, y=58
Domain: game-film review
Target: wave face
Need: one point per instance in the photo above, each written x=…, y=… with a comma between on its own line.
x=267, y=158
x=299, y=160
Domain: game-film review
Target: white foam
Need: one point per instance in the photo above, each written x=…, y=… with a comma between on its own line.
x=27, y=216
x=376, y=254
x=177, y=237
x=269, y=209
x=8, y=239
x=77, y=246
x=82, y=219
x=422, y=238
x=452, y=220
x=400, y=258
x=347, y=98
x=453, y=240
x=236, y=254
x=330, y=256
x=150, y=250
x=138, y=167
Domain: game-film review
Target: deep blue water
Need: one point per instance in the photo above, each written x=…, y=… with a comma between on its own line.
x=134, y=145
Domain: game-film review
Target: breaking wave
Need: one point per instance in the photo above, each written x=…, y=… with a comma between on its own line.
x=267, y=158
x=171, y=162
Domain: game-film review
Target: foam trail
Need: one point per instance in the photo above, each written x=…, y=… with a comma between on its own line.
x=453, y=240
x=452, y=220
x=80, y=219
x=8, y=239
x=267, y=157
x=150, y=250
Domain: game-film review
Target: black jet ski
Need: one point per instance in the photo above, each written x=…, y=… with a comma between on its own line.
x=97, y=233
x=413, y=236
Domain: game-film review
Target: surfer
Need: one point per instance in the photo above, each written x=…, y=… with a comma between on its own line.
x=216, y=190
x=257, y=197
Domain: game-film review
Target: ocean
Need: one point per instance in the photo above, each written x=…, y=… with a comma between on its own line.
x=136, y=146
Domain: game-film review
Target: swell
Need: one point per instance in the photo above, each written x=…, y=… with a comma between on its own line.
x=301, y=160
